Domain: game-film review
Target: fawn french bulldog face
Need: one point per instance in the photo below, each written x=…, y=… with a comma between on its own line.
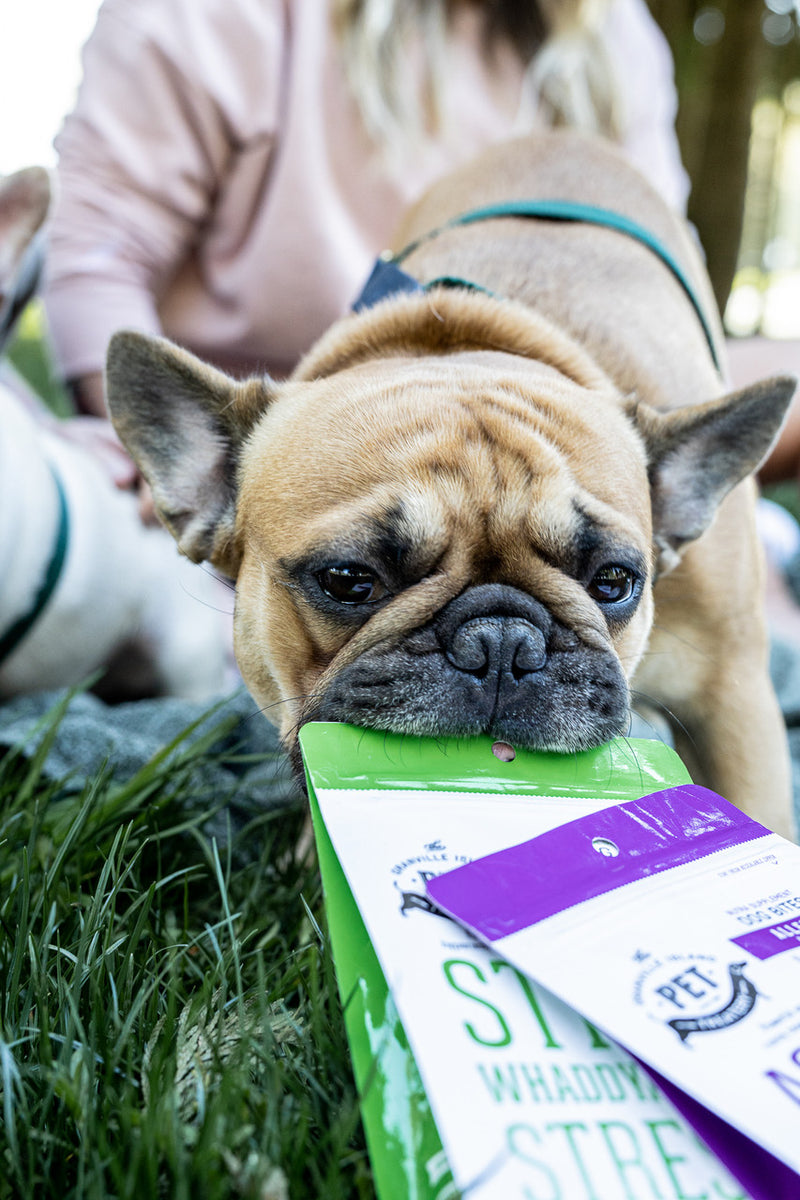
x=436, y=546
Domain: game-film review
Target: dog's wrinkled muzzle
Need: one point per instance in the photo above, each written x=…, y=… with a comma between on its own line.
x=493, y=661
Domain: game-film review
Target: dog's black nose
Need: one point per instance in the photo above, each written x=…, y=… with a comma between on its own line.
x=490, y=646
x=494, y=629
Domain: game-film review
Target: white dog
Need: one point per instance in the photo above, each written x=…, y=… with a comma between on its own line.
x=83, y=583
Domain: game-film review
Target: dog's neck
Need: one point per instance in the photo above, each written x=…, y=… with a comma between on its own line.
x=448, y=321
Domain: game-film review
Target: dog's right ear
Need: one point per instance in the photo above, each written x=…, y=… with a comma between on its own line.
x=183, y=423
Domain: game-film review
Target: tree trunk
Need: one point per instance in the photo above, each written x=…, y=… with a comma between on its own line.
x=717, y=86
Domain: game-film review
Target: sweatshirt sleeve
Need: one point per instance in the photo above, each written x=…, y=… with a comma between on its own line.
x=171, y=91
x=644, y=70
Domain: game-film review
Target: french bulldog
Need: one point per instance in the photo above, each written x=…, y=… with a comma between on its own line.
x=85, y=585
x=505, y=504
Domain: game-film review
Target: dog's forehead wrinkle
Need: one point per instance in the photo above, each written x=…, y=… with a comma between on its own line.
x=602, y=532
x=404, y=535
x=407, y=416
x=410, y=532
x=595, y=537
x=429, y=392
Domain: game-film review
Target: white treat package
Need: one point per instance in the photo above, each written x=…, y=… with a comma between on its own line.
x=673, y=923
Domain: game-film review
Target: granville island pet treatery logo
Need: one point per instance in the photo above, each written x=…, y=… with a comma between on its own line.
x=412, y=874
x=409, y=877
x=694, y=994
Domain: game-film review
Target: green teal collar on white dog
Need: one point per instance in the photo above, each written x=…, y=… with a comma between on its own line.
x=14, y=635
x=387, y=277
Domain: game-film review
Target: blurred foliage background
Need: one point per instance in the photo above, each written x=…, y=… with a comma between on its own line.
x=737, y=70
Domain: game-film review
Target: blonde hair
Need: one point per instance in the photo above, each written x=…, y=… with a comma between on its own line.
x=568, y=78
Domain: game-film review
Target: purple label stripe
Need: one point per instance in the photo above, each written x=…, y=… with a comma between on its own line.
x=773, y=939
x=508, y=891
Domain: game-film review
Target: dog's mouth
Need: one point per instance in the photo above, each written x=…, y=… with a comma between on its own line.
x=494, y=662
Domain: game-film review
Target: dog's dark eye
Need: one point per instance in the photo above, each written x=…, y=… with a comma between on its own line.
x=612, y=584
x=351, y=584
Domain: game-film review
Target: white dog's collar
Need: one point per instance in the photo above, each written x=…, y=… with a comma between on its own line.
x=20, y=628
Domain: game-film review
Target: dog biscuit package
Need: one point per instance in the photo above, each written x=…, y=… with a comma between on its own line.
x=475, y=1079
x=674, y=923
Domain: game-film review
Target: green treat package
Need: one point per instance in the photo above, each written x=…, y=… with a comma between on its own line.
x=473, y=1080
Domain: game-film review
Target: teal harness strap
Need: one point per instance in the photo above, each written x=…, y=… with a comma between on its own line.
x=569, y=210
x=13, y=636
x=454, y=281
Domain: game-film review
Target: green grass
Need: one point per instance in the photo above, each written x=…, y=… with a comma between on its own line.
x=169, y=1023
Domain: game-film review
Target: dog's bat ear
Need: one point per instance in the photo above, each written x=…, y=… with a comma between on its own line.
x=696, y=455
x=183, y=423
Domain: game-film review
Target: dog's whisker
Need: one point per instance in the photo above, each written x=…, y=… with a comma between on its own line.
x=704, y=653
x=207, y=604
x=225, y=612
x=659, y=705
x=632, y=750
x=257, y=712
x=435, y=311
x=650, y=725
x=207, y=569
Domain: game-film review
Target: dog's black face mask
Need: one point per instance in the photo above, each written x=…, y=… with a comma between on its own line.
x=493, y=661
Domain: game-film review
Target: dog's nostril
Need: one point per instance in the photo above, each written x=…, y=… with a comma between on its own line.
x=472, y=646
x=490, y=645
x=530, y=653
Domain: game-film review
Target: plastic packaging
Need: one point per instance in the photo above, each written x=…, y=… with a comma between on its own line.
x=522, y=1098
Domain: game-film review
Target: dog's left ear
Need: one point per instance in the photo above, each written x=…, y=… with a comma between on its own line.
x=183, y=424
x=696, y=455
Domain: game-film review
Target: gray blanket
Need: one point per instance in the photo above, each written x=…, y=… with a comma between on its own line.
x=242, y=766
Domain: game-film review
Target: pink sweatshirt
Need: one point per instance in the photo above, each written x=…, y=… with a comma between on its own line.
x=216, y=182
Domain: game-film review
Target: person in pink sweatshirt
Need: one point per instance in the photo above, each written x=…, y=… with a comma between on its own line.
x=232, y=167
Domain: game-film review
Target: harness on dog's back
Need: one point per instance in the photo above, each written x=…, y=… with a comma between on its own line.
x=388, y=278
